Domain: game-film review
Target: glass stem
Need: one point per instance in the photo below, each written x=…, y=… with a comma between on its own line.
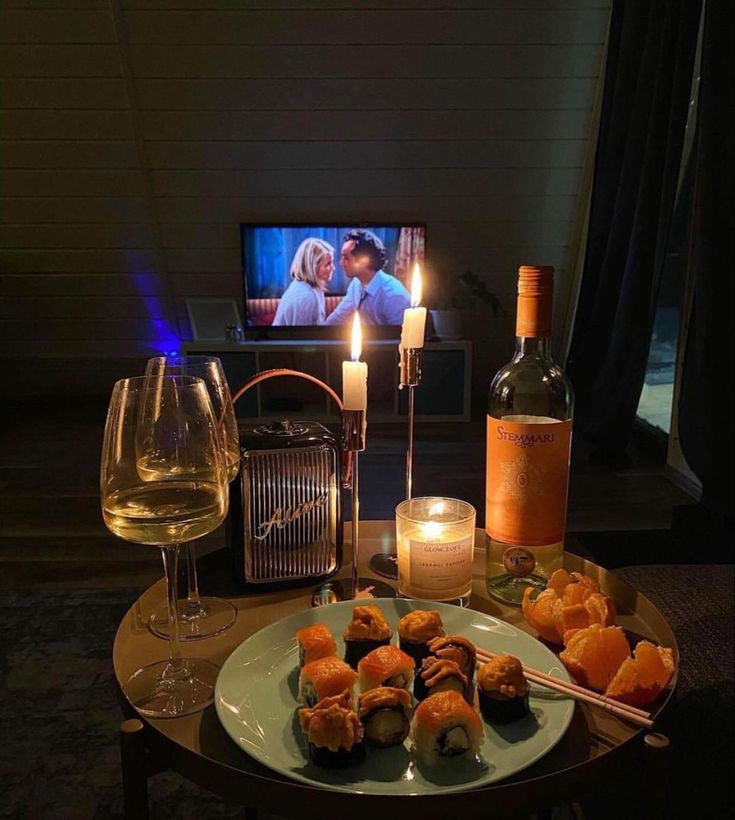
x=191, y=569
x=176, y=668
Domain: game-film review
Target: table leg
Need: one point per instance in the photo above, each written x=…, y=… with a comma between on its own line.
x=133, y=756
x=657, y=788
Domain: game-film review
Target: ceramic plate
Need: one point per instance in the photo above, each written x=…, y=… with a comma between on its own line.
x=256, y=690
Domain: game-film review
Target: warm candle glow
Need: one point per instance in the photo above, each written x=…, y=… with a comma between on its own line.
x=416, y=286
x=354, y=373
x=435, y=544
x=414, y=318
x=356, y=338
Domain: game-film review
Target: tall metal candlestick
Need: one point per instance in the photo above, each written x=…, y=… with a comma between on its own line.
x=354, y=426
x=386, y=564
x=409, y=453
x=410, y=378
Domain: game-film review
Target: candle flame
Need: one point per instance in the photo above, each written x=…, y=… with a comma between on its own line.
x=356, y=338
x=432, y=529
x=416, y=286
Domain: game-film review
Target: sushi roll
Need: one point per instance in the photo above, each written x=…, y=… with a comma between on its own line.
x=458, y=649
x=367, y=630
x=438, y=675
x=386, y=666
x=415, y=629
x=385, y=713
x=445, y=726
x=502, y=689
x=315, y=642
x=323, y=678
x=334, y=732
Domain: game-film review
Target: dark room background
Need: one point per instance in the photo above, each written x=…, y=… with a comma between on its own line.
x=137, y=134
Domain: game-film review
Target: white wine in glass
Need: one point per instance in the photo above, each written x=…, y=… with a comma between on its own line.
x=199, y=616
x=171, y=419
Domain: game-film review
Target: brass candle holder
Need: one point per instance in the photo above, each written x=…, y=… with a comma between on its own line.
x=386, y=563
x=354, y=427
x=411, y=378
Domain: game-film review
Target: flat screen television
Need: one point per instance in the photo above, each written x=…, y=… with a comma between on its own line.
x=315, y=276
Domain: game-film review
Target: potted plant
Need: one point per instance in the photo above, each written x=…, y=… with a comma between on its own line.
x=459, y=294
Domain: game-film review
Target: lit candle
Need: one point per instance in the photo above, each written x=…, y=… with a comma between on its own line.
x=414, y=318
x=354, y=373
x=435, y=539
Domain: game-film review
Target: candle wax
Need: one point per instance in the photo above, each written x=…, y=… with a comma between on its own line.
x=354, y=385
x=414, y=324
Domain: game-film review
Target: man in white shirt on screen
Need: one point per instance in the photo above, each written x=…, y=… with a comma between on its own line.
x=380, y=297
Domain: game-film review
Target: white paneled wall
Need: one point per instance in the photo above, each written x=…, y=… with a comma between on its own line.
x=135, y=135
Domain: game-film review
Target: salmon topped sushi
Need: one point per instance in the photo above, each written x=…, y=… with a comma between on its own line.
x=386, y=666
x=385, y=713
x=323, y=678
x=502, y=689
x=315, y=641
x=367, y=630
x=334, y=732
x=458, y=649
x=416, y=628
x=440, y=675
x=445, y=726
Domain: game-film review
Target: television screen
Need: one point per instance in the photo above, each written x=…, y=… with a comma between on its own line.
x=318, y=275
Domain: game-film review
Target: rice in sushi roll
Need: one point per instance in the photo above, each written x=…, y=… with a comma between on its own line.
x=315, y=641
x=502, y=689
x=385, y=713
x=367, y=630
x=440, y=675
x=386, y=666
x=458, y=649
x=415, y=629
x=323, y=678
x=334, y=732
x=446, y=726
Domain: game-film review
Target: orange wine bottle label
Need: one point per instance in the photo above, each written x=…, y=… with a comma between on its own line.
x=527, y=479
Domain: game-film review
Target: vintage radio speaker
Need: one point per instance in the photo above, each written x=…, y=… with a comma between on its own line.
x=286, y=505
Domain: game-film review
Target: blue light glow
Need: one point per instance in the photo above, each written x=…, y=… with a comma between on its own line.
x=164, y=338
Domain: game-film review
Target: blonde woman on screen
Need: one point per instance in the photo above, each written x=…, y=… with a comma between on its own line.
x=311, y=271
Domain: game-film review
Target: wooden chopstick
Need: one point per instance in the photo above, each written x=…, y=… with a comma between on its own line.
x=573, y=690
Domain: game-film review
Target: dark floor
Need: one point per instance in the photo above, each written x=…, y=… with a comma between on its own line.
x=52, y=534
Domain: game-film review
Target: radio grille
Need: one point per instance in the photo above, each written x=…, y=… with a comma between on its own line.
x=290, y=504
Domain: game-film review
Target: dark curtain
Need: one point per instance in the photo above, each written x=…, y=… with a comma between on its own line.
x=648, y=74
x=706, y=402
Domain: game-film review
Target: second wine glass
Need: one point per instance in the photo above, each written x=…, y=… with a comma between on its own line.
x=201, y=616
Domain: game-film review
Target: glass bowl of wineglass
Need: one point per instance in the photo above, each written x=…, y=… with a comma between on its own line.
x=163, y=482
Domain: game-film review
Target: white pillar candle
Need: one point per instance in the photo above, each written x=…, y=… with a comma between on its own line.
x=414, y=318
x=354, y=373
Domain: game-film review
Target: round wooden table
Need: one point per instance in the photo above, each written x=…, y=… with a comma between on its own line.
x=596, y=749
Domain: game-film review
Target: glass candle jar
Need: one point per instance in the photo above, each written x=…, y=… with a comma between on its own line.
x=435, y=539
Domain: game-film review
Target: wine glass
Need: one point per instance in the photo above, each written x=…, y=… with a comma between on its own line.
x=201, y=617
x=163, y=481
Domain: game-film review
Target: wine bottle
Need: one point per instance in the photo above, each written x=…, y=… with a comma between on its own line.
x=529, y=430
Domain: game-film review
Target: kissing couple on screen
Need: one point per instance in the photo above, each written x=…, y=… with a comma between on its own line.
x=380, y=297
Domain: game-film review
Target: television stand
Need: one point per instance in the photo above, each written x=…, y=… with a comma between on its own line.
x=444, y=393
